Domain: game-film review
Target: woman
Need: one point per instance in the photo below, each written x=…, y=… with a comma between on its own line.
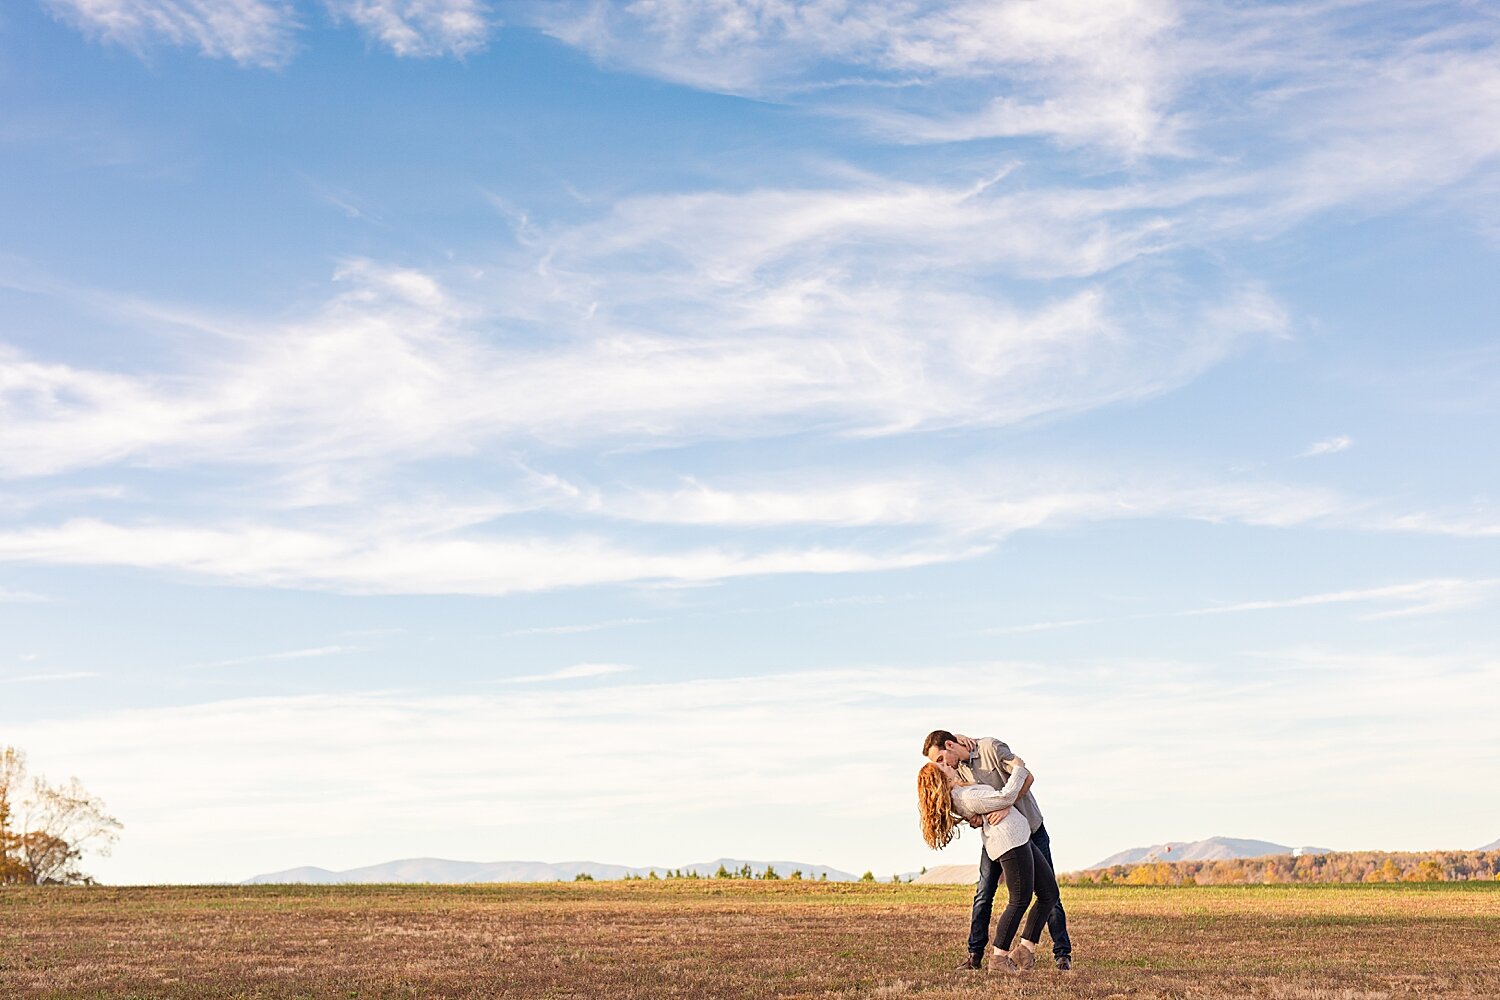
x=940, y=794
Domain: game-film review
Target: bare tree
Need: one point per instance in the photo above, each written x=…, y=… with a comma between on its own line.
x=45, y=828
x=12, y=773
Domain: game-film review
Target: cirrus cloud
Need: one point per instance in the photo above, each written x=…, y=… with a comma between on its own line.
x=250, y=32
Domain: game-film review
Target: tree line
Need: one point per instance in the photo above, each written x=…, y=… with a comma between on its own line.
x=45, y=828
x=1339, y=866
x=744, y=871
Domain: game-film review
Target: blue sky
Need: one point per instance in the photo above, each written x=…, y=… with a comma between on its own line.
x=447, y=429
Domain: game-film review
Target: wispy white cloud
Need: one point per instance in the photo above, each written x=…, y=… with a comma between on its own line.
x=1456, y=525
x=731, y=239
x=8, y=596
x=70, y=675
x=994, y=501
x=396, y=368
x=931, y=516
x=576, y=629
x=250, y=32
x=1075, y=70
x=25, y=498
x=1298, y=108
x=262, y=33
x=976, y=500
x=1049, y=626
x=576, y=672
x=376, y=562
x=1328, y=446
x=291, y=654
x=1421, y=597
x=420, y=27
x=349, y=204
x=1350, y=109
x=1394, y=126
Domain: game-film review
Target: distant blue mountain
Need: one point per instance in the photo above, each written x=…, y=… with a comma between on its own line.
x=1494, y=846
x=438, y=870
x=1212, y=849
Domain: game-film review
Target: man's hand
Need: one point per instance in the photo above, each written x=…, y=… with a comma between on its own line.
x=976, y=821
x=966, y=742
x=997, y=815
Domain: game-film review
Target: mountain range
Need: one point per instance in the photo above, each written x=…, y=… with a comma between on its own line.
x=1212, y=849
x=439, y=870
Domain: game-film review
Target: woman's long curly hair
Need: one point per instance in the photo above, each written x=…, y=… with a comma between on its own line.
x=935, y=807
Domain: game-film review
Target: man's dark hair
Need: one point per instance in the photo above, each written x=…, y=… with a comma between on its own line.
x=939, y=738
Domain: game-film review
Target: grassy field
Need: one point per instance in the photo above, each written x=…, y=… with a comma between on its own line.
x=737, y=939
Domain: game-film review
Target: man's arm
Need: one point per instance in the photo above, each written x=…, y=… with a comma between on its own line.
x=1005, y=760
x=997, y=756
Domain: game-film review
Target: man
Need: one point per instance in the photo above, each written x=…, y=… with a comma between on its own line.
x=984, y=760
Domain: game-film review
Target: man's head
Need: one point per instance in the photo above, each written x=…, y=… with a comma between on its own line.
x=940, y=746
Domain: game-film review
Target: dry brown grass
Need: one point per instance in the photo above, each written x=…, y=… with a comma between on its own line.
x=736, y=939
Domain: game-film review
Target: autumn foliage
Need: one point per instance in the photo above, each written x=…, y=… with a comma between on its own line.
x=1340, y=866
x=45, y=828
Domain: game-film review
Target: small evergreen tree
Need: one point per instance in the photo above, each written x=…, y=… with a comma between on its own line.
x=867, y=877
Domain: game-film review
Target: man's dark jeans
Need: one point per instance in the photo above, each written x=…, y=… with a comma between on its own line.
x=984, y=902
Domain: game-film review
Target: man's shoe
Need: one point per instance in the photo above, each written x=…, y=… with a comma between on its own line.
x=1023, y=958
x=972, y=962
x=1064, y=963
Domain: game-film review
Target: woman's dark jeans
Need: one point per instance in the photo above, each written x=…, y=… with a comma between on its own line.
x=1027, y=869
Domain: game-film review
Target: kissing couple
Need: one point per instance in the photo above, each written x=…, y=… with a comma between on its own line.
x=984, y=783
